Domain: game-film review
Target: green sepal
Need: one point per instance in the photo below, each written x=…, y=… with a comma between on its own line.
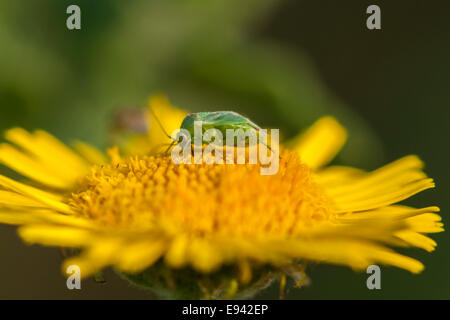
x=187, y=284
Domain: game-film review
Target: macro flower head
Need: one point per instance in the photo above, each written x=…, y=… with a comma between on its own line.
x=212, y=230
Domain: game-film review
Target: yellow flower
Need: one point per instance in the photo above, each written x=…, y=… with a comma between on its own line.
x=134, y=211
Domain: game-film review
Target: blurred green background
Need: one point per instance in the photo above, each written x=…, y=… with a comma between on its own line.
x=283, y=63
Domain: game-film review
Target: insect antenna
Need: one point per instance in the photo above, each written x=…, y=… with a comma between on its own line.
x=161, y=126
x=159, y=147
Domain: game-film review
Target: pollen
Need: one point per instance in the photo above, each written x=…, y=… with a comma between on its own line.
x=147, y=192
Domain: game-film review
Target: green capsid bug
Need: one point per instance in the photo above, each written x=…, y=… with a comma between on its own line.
x=218, y=120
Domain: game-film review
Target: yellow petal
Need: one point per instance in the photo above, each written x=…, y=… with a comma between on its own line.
x=337, y=176
x=49, y=152
x=139, y=255
x=321, y=142
x=356, y=254
x=407, y=168
x=90, y=153
x=51, y=200
x=11, y=199
x=18, y=218
x=417, y=240
x=203, y=255
x=60, y=151
x=390, y=184
x=176, y=255
x=99, y=255
x=31, y=168
x=391, y=213
x=425, y=223
x=398, y=260
x=384, y=198
x=55, y=235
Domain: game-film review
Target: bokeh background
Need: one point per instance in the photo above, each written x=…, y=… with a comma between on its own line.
x=283, y=63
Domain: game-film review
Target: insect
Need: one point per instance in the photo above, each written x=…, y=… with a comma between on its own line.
x=219, y=120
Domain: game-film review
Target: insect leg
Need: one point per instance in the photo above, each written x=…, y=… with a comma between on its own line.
x=171, y=145
x=260, y=141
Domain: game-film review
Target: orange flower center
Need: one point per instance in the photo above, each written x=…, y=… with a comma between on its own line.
x=226, y=199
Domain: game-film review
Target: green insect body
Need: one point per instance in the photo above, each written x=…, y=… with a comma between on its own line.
x=219, y=120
